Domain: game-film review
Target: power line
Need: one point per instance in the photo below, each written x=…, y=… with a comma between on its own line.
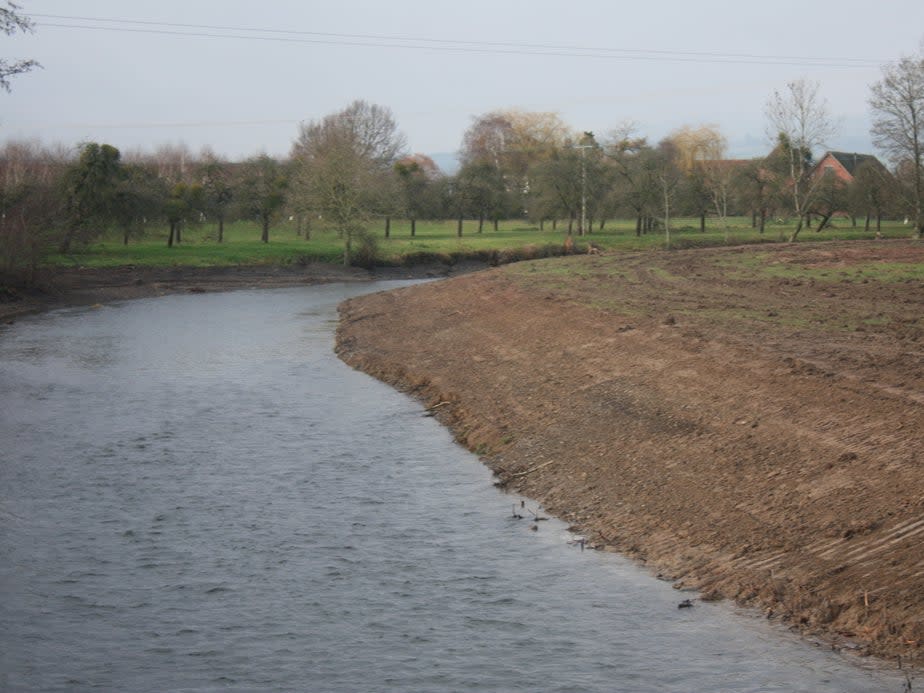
x=449, y=45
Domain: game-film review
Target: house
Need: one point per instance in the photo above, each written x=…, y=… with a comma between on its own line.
x=832, y=175
x=844, y=165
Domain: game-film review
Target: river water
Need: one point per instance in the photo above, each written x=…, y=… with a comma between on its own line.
x=195, y=495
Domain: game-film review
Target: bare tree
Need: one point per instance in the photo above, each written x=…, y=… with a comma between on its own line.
x=636, y=173
x=871, y=192
x=798, y=121
x=344, y=167
x=31, y=207
x=699, y=151
x=12, y=21
x=669, y=176
x=515, y=144
x=898, y=128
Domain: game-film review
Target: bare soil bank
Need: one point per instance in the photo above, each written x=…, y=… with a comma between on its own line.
x=756, y=438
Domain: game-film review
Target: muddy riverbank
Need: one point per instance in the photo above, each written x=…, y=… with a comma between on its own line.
x=90, y=286
x=746, y=422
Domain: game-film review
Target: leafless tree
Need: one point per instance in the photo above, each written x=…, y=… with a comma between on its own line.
x=798, y=120
x=344, y=167
x=11, y=21
x=898, y=127
x=31, y=206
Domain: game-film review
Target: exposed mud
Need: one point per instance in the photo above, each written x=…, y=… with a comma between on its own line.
x=90, y=286
x=747, y=422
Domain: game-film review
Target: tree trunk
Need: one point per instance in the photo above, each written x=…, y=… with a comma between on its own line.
x=179, y=232
x=763, y=220
x=878, y=223
x=824, y=221
x=481, y=222
x=413, y=227
x=541, y=224
x=602, y=223
x=387, y=227
x=125, y=237
x=571, y=224
x=795, y=234
x=347, y=247
x=753, y=219
x=702, y=222
x=65, y=246
x=667, y=218
x=264, y=236
x=495, y=223
x=459, y=227
x=866, y=223
x=171, y=235
x=638, y=225
x=555, y=224
x=221, y=229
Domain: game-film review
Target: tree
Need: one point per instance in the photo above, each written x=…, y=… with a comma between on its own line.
x=12, y=21
x=344, y=167
x=182, y=204
x=263, y=191
x=707, y=176
x=898, y=128
x=218, y=189
x=752, y=187
x=669, y=176
x=514, y=143
x=90, y=185
x=871, y=192
x=417, y=174
x=556, y=185
x=480, y=191
x=831, y=197
x=798, y=121
x=138, y=195
x=636, y=182
x=31, y=207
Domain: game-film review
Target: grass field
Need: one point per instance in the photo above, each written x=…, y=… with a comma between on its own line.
x=434, y=241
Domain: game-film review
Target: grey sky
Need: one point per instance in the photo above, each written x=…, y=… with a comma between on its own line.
x=134, y=88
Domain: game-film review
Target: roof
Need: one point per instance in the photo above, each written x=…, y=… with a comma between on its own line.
x=851, y=161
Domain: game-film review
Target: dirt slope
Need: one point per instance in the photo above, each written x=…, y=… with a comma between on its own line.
x=753, y=432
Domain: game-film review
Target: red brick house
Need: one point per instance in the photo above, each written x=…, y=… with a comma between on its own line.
x=843, y=165
x=832, y=176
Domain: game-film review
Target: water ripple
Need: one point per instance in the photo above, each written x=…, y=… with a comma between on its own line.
x=196, y=495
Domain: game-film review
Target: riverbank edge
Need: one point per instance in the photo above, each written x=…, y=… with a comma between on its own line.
x=459, y=411
x=91, y=286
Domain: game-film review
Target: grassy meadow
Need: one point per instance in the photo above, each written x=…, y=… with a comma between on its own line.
x=434, y=241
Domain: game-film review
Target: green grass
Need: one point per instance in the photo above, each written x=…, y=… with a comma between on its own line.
x=763, y=265
x=434, y=241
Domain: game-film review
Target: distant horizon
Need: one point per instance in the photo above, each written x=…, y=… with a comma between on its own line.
x=218, y=74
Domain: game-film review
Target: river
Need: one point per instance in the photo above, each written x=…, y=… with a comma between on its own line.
x=197, y=495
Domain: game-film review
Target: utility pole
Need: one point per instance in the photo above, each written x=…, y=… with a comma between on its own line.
x=583, y=148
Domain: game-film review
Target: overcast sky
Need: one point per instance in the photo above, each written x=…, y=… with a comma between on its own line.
x=240, y=75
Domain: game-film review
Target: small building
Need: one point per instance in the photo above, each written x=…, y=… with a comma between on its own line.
x=844, y=165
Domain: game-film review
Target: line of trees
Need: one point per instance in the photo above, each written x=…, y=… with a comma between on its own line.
x=351, y=169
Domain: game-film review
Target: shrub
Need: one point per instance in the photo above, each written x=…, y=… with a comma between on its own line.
x=365, y=249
